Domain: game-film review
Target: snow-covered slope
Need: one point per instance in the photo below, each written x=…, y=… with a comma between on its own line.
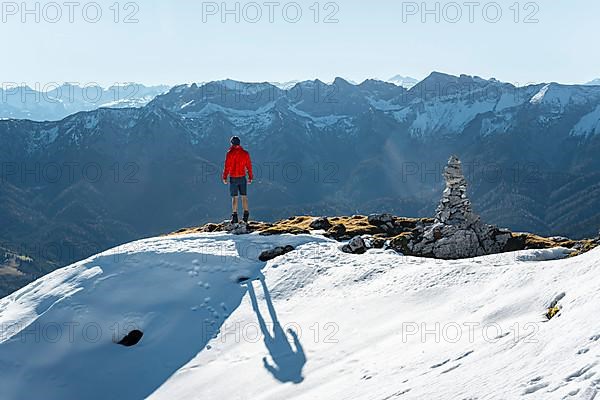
x=374, y=326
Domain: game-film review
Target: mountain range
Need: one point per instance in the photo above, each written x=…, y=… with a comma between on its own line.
x=59, y=101
x=95, y=179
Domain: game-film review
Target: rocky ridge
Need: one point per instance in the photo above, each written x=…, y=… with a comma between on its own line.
x=455, y=232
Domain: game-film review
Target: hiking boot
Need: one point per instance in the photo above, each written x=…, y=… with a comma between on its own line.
x=246, y=216
x=234, y=218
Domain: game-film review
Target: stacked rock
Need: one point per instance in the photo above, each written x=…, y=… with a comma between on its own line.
x=457, y=232
x=455, y=206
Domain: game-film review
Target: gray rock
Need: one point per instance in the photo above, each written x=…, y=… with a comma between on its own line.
x=559, y=239
x=321, y=223
x=237, y=229
x=356, y=245
x=455, y=206
x=381, y=219
x=336, y=231
x=274, y=253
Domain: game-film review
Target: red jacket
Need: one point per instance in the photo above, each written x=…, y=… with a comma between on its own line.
x=237, y=163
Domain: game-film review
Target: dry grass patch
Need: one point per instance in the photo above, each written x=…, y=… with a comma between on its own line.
x=293, y=225
x=552, y=311
x=537, y=242
x=531, y=241
x=356, y=225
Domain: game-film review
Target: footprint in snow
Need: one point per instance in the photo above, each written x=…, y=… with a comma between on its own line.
x=440, y=364
x=468, y=353
x=535, y=387
x=502, y=336
x=450, y=369
x=589, y=393
x=397, y=394
x=580, y=372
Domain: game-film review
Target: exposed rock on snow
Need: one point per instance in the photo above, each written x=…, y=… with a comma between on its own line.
x=457, y=231
x=355, y=246
x=360, y=244
x=237, y=229
x=274, y=253
x=385, y=222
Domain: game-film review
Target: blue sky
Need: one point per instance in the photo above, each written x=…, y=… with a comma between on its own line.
x=181, y=41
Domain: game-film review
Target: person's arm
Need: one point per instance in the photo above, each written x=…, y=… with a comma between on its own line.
x=269, y=367
x=227, y=168
x=249, y=168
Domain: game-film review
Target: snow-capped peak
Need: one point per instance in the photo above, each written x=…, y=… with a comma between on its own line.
x=405, y=81
x=285, y=85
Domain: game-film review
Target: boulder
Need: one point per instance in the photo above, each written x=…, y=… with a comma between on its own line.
x=356, y=245
x=274, y=253
x=515, y=243
x=237, y=229
x=400, y=243
x=374, y=242
x=380, y=219
x=321, y=223
x=337, y=231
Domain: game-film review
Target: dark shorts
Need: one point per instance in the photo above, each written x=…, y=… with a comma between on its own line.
x=238, y=185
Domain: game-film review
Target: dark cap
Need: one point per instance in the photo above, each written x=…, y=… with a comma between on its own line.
x=235, y=141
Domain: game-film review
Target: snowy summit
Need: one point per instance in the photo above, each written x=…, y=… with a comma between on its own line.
x=199, y=316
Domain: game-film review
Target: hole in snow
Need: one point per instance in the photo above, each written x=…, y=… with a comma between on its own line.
x=132, y=338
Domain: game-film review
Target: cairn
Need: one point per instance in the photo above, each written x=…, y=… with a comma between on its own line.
x=455, y=207
x=457, y=231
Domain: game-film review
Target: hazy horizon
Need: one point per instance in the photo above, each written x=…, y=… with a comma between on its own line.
x=48, y=86
x=180, y=42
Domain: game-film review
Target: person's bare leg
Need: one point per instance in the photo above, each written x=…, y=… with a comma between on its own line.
x=234, y=204
x=245, y=202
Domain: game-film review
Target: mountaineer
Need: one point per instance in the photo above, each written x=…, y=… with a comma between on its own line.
x=237, y=165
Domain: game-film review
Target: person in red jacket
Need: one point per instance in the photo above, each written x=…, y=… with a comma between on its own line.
x=237, y=164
